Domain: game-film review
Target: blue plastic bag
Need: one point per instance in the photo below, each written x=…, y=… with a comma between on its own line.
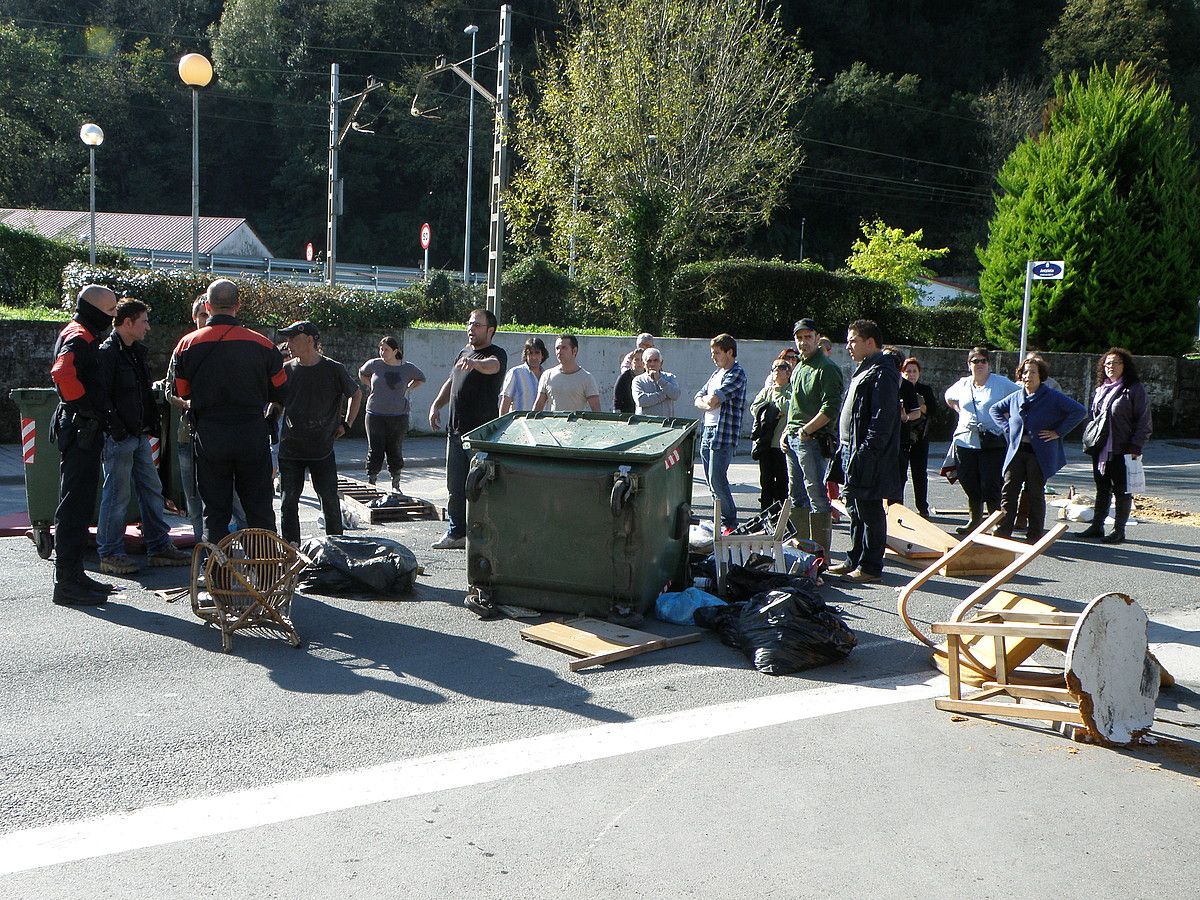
x=678, y=608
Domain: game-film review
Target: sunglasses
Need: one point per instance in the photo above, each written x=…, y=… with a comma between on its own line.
x=781, y=368
x=979, y=362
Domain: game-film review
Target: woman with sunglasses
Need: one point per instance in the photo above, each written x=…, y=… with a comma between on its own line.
x=980, y=447
x=770, y=410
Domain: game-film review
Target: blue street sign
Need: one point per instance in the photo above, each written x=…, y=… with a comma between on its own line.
x=1047, y=270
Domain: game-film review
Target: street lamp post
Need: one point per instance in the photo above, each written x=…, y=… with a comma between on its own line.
x=472, y=30
x=196, y=72
x=93, y=136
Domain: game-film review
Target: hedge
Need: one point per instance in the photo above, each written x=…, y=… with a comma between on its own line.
x=270, y=303
x=757, y=299
x=31, y=265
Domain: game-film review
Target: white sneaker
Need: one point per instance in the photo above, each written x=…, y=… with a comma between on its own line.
x=446, y=542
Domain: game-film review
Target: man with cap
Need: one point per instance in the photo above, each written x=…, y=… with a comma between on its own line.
x=322, y=403
x=78, y=429
x=809, y=438
x=229, y=374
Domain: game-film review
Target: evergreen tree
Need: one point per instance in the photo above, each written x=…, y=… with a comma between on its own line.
x=1113, y=187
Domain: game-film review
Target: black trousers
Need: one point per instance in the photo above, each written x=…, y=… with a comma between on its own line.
x=916, y=458
x=772, y=477
x=78, y=481
x=229, y=453
x=385, y=437
x=868, y=533
x=979, y=474
x=1023, y=474
x=324, y=481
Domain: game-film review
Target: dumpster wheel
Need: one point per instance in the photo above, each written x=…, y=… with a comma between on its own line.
x=43, y=540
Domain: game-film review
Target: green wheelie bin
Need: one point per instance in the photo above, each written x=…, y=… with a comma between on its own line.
x=584, y=513
x=41, y=456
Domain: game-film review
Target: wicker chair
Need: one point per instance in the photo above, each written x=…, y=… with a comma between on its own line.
x=249, y=579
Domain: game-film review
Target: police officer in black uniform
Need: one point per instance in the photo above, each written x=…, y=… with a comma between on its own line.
x=228, y=374
x=78, y=429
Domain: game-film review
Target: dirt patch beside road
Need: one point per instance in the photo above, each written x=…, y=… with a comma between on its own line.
x=1156, y=509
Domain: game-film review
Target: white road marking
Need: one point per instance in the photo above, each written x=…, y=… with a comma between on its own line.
x=206, y=816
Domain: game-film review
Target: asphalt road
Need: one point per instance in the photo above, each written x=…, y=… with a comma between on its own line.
x=409, y=749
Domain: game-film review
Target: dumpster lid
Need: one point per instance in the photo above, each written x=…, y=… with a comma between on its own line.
x=587, y=435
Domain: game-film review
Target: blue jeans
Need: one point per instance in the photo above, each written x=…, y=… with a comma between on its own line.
x=716, y=460
x=123, y=462
x=806, y=474
x=195, y=508
x=458, y=462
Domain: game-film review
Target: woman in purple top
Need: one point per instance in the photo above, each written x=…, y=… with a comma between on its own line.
x=390, y=379
x=1121, y=400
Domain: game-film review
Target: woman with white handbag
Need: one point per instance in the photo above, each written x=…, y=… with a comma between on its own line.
x=1119, y=428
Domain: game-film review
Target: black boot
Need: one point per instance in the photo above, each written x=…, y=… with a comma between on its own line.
x=1124, y=505
x=1099, y=514
x=70, y=591
x=90, y=583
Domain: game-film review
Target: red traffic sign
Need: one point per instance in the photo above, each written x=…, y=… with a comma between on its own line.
x=426, y=235
x=308, y=251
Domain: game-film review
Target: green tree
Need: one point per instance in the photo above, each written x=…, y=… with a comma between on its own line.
x=890, y=255
x=662, y=128
x=1113, y=187
x=1095, y=32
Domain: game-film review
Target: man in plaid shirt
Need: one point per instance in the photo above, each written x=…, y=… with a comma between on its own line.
x=722, y=400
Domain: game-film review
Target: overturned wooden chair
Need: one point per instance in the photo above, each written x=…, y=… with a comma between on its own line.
x=249, y=578
x=1107, y=689
x=736, y=549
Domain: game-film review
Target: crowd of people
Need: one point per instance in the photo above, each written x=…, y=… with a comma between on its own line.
x=252, y=411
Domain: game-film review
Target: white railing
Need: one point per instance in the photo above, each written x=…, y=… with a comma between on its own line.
x=376, y=278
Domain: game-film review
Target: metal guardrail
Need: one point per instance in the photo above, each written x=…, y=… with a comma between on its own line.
x=376, y=278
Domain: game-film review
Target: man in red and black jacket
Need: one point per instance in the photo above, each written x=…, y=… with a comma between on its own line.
x=229, y=374
x=78, y=429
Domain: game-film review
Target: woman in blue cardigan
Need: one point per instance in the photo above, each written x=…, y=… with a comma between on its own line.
x=1033, y=420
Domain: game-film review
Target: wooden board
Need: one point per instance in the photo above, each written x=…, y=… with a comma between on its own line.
x=600, y=642
x=916, y=538
x=359, y=494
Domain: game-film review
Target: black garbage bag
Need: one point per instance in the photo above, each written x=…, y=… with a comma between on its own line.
x=785, y=631
x=723, y=620
x=344, y=565
x=744, y=582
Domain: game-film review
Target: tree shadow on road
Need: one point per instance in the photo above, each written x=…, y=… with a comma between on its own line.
x=349, y=653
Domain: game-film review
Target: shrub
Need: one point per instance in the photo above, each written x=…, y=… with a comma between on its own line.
x=31, y=265
x=271, y=303
x=752, y=298
x=536, y=290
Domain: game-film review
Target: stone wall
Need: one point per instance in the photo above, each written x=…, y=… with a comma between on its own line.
x=1173, y=385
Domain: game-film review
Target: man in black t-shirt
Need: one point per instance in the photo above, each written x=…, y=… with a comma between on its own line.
x=321, y=404
x=473, y=393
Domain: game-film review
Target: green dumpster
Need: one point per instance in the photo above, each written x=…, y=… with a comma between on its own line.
x=41, y=456
x=583, y=513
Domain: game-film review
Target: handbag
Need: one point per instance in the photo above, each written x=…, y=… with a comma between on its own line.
x=827, y=443
x=949, y=469
x=1095, y=434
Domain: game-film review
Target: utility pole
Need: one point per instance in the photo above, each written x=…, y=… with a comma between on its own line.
x=499, y=164
x=499, y=144
x=472, y=30
x=334, y=206
x=574, y=221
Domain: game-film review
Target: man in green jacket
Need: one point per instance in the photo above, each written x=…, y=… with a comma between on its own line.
x=809, y=439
